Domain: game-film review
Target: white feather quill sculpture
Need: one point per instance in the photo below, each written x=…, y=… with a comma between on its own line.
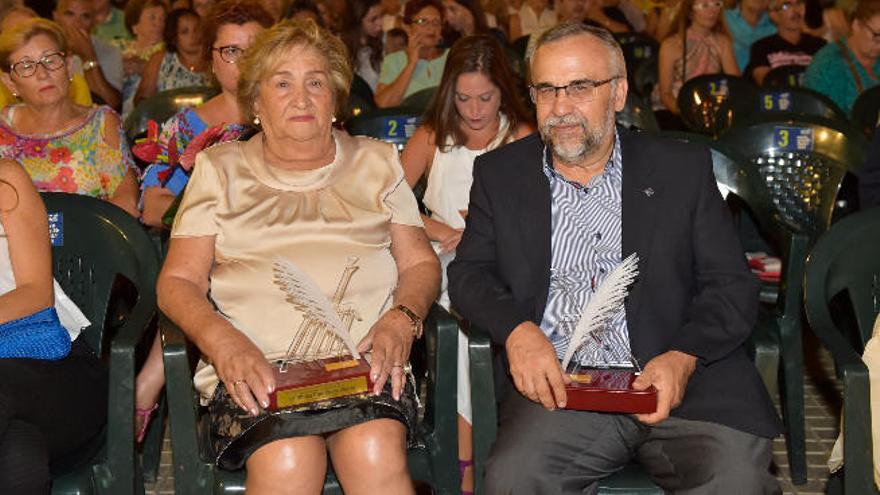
x=603, y=305
x=307, y=297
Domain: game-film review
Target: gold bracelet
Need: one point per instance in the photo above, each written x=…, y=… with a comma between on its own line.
x=414, y=320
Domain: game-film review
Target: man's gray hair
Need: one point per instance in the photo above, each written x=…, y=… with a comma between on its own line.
x=570, y=29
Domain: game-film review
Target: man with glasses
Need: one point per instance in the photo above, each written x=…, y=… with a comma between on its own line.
x=844, y=69
x=747, y=22
x=101, y=62
x=550, y=217
x=789, y=46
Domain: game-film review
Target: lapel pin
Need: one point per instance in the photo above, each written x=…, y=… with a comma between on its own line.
x=648, y=192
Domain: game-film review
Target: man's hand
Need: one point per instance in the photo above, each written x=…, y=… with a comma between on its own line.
x=669, y=374
x=535, y=369
x=80, y=42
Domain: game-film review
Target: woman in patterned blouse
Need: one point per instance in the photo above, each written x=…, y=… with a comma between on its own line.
x=64, y=147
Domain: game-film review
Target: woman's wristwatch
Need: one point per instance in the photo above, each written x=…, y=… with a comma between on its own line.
x=414, y=320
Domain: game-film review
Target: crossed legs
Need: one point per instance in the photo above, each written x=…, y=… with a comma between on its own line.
x=368, y=458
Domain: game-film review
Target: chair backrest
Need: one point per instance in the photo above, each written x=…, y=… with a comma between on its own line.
x=162, y=106
x=644, y=78
x=796, y=103
x=711, y=103
x=392, y=125
x=729, y=175
x=360, y=98
x=637, y=113
x=419, y=100
x=800, y=166
x=637, y=49
x=866, y=111
x=93, y=242
x=784, y=76
x=845, y=260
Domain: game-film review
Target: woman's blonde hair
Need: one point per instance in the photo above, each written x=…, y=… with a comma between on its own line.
x=18, y=36
x=269, y=49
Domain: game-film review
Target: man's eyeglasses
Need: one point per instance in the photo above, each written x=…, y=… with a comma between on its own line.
x=708, y=5
x=785, y=6
x=27, y=67
x=580, y=91
x=230, y=53
x=421, y=21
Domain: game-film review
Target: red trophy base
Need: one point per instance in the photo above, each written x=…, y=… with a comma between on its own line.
x=609, y=391
x=316, y=381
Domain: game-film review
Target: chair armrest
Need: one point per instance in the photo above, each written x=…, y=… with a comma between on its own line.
x=192, y=473
x=121, y=476
x=485, y=416
x=857, y=445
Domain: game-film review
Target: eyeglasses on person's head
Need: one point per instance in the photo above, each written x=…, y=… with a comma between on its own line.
x=579, y=91
x=27, y=67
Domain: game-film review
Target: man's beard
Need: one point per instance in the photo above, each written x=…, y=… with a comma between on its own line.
x=573, y=153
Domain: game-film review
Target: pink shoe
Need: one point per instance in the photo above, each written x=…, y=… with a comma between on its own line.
x=147, y=415
x=462, y=465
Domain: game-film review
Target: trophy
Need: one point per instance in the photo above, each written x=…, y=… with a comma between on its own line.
x=322, y=361
x=607, y=388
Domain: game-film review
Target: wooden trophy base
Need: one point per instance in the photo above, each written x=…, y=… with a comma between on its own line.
x=316, y=381
x=609, y=390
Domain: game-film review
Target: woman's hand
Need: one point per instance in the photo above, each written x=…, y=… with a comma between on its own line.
x=414, y=46
x=390, y=339
x=133, y=64
x=244, y=371
x=449, y=243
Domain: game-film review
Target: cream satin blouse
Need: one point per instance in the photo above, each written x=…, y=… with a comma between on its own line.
x=318, y=219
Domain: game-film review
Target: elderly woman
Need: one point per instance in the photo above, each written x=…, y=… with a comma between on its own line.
x=64, y=147
x=421, y=64
x=47, y=383
x=328, y=203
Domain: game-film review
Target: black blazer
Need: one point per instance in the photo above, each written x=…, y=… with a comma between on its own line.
x=694, y=293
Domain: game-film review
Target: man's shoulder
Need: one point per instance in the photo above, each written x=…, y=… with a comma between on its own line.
x=812, y=43
x=675, y=157
x=518, y=153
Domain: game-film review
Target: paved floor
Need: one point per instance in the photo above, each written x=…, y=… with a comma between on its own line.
x=822, y=399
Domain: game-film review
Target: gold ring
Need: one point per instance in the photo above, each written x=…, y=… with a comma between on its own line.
x=236, y=383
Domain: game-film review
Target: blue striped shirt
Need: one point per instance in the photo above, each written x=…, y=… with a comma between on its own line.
x=585, y=248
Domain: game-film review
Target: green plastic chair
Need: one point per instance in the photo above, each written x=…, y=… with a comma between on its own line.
x=360, y=98
x=640, y=53
x=436, y=373
x=800, y=168
x=796, y=103
x=844, y=262
x=393, y=125
x=637, y=113
x=631, y=480
x=93, y=243
x=866, y=111
x=710, y=104
x=162, y=106
x=784, y=77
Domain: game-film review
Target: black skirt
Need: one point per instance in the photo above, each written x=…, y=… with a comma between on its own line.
x=235, y=434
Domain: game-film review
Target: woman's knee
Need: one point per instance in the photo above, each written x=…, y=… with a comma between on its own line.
x=375, y=448
x=292, y=465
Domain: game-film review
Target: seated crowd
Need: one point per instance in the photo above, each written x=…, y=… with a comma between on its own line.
x=517, y=151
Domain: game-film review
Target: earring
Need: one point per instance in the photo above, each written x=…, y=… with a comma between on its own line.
x=333, y=120
x=256, y=120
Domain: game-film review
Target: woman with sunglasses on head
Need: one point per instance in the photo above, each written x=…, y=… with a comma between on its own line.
x=421, y=64
x=64, y=147
x=701, y=46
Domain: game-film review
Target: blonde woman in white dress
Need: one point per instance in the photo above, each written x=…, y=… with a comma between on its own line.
x=476, y=109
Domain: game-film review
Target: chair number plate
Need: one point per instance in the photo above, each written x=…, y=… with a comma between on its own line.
x=793, y=138
x=56, y=228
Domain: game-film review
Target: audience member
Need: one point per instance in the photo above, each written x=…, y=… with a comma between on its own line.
x=53, y=388
x=63, y=146
x=79, y=88
x=566, y=11
x=182, y=63
x=606, y=13
x=748, y=22
x=110, y=23
x=661, y=20
x=463, y=18
x=203, y=7
x=701, y=46
x=532, y=16
x=392, y=14
x=476, y=109
x=363, y=38
x=146, y=20
x=101, y=62
x=395, y=41
x=421, y=65
x=302, y=10
x=524, y=268
x=789, y=46
x=843, y=69
x=323, y=200
x=275, y=8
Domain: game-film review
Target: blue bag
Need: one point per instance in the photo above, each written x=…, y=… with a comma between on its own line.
x=37, y=336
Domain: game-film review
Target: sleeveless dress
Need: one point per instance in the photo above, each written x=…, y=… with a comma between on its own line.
x=703, y=57
x=173, y=75
x=324, y=221
x=447, y=195
x=71, y=317
x=73, y=160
